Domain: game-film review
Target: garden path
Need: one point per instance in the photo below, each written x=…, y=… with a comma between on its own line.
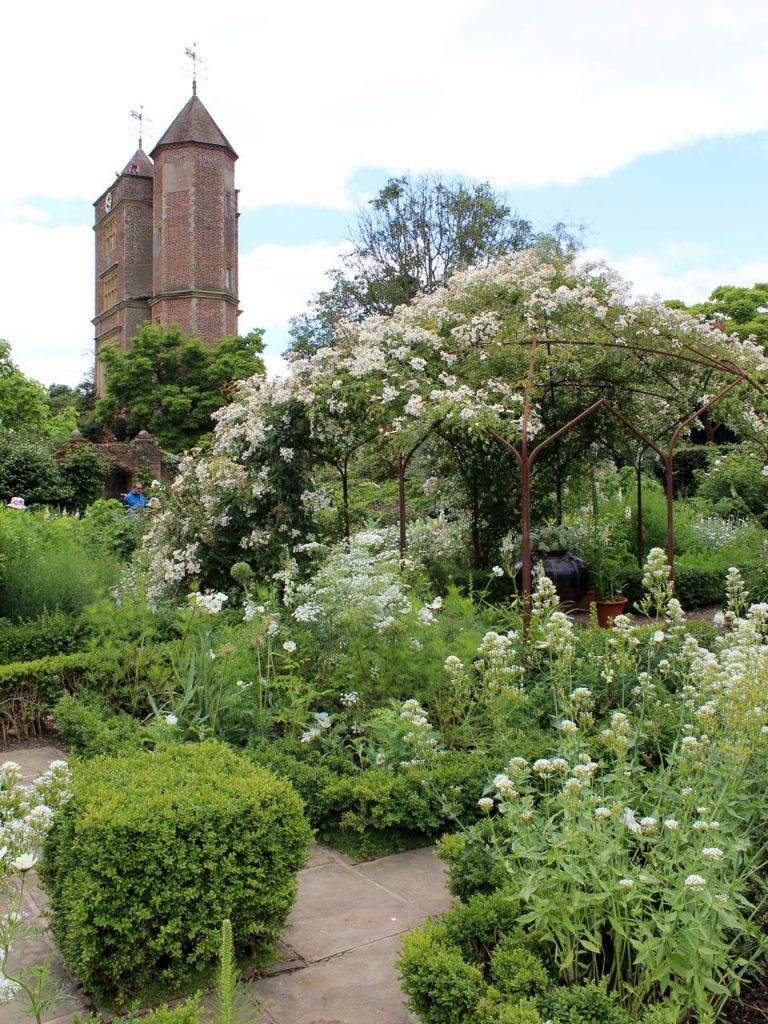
x=338, y=949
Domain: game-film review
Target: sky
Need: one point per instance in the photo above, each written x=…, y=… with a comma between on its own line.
x=646, y=122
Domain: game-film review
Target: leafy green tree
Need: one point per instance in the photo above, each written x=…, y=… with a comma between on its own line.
x=411, y=238
x=25, y=406
x=169, y=383
x=742, y=310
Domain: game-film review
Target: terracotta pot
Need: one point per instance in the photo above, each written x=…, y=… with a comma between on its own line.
x=608, y=610
x=587, y=601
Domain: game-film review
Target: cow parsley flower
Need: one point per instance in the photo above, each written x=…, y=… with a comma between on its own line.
x=695, y=882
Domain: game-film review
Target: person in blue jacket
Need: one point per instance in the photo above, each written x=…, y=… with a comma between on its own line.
x=135, y=499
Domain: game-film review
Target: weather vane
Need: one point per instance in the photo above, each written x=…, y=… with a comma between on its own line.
x=138, y=115
x=196, y=59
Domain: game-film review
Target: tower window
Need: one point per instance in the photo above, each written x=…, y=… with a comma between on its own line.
x=110, y=235
x=226, y=204
x=110, y=289
x=228, y=279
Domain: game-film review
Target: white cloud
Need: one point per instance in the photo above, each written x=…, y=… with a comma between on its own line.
x=47, y=303
x=686, y=272
x=306, y=92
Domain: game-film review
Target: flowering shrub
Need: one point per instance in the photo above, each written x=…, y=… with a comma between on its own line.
x=632, y=871
x=27, y=813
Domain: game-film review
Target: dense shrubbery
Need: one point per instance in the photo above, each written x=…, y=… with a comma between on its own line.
x=154, y=850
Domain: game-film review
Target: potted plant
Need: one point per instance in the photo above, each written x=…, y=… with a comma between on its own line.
x=568, y=572
x=604, y=550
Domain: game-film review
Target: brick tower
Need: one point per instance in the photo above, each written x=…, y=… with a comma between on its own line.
x=194, y=244
x=166, y=238
x=123, y=257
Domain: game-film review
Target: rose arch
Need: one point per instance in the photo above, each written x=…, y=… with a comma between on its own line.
x=523, y=351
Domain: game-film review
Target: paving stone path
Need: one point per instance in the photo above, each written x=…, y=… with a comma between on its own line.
x=338, y=949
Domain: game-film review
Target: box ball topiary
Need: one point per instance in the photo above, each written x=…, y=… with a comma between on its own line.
x=154, y=850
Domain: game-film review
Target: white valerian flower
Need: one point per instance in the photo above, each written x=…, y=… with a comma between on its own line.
x=658, y=636
x=602, y=812
x=626, y=883
x=485, y=803
x=171, y=720
x=712, y=853
x=24, y=862
x=671, y=824
x=568, y=726
x=648, y=825
x=695, y=882
x=290, y=646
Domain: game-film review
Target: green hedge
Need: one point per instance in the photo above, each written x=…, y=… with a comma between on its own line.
x=29, y=689
x=375, y=811
x=52, y=633
x=694, y=588
x=154, y=851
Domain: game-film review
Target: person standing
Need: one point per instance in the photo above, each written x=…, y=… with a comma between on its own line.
x=135, y=499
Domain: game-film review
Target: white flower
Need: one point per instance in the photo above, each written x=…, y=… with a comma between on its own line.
x=648, y=825
x=764, y=471
x=658, y=636
x=309, y=735
x=718, y=619
x=567, y=726
x=671, y=824
x=497, y=570
x=602, y=812
x=626, y=883
x=630, y=821
x=8, y=990
x=24, y=862
x=695, y=882
x=485, y=803
x=171, y=720
x=323, y=719
x=290, y=646
x=712, y=853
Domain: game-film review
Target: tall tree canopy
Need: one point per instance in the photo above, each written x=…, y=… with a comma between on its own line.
x=169, y=383
x=26, y=407
x=742, y=310
x=410, y=239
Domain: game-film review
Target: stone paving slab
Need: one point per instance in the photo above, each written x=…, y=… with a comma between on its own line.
x=359, y=987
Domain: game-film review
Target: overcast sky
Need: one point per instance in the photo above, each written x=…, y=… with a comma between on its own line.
x=645, y=121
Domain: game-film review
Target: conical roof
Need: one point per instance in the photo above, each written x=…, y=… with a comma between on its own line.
x=193, y=123
x=139, y=164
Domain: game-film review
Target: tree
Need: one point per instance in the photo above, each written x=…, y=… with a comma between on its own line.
x=170, y=384
x=411, y=238
x=741, y=310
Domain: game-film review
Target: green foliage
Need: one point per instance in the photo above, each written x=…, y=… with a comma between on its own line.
x=582, y=1004
x=106, y=525
x=51, y=633
x=516, y=971
x=155, y=849
x=743, y=310
x=376, y=811
x=82, y=472
x=25, y=406
x=29, y=470
x=735, y=484
x=441, y=987
x=90, y=726
x=45, y=566
x=169, y=383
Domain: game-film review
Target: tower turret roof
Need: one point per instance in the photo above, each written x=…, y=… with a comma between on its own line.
x=194, y=124
x=139, y=164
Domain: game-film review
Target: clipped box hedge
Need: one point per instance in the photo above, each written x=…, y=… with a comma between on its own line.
x=154, y=850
